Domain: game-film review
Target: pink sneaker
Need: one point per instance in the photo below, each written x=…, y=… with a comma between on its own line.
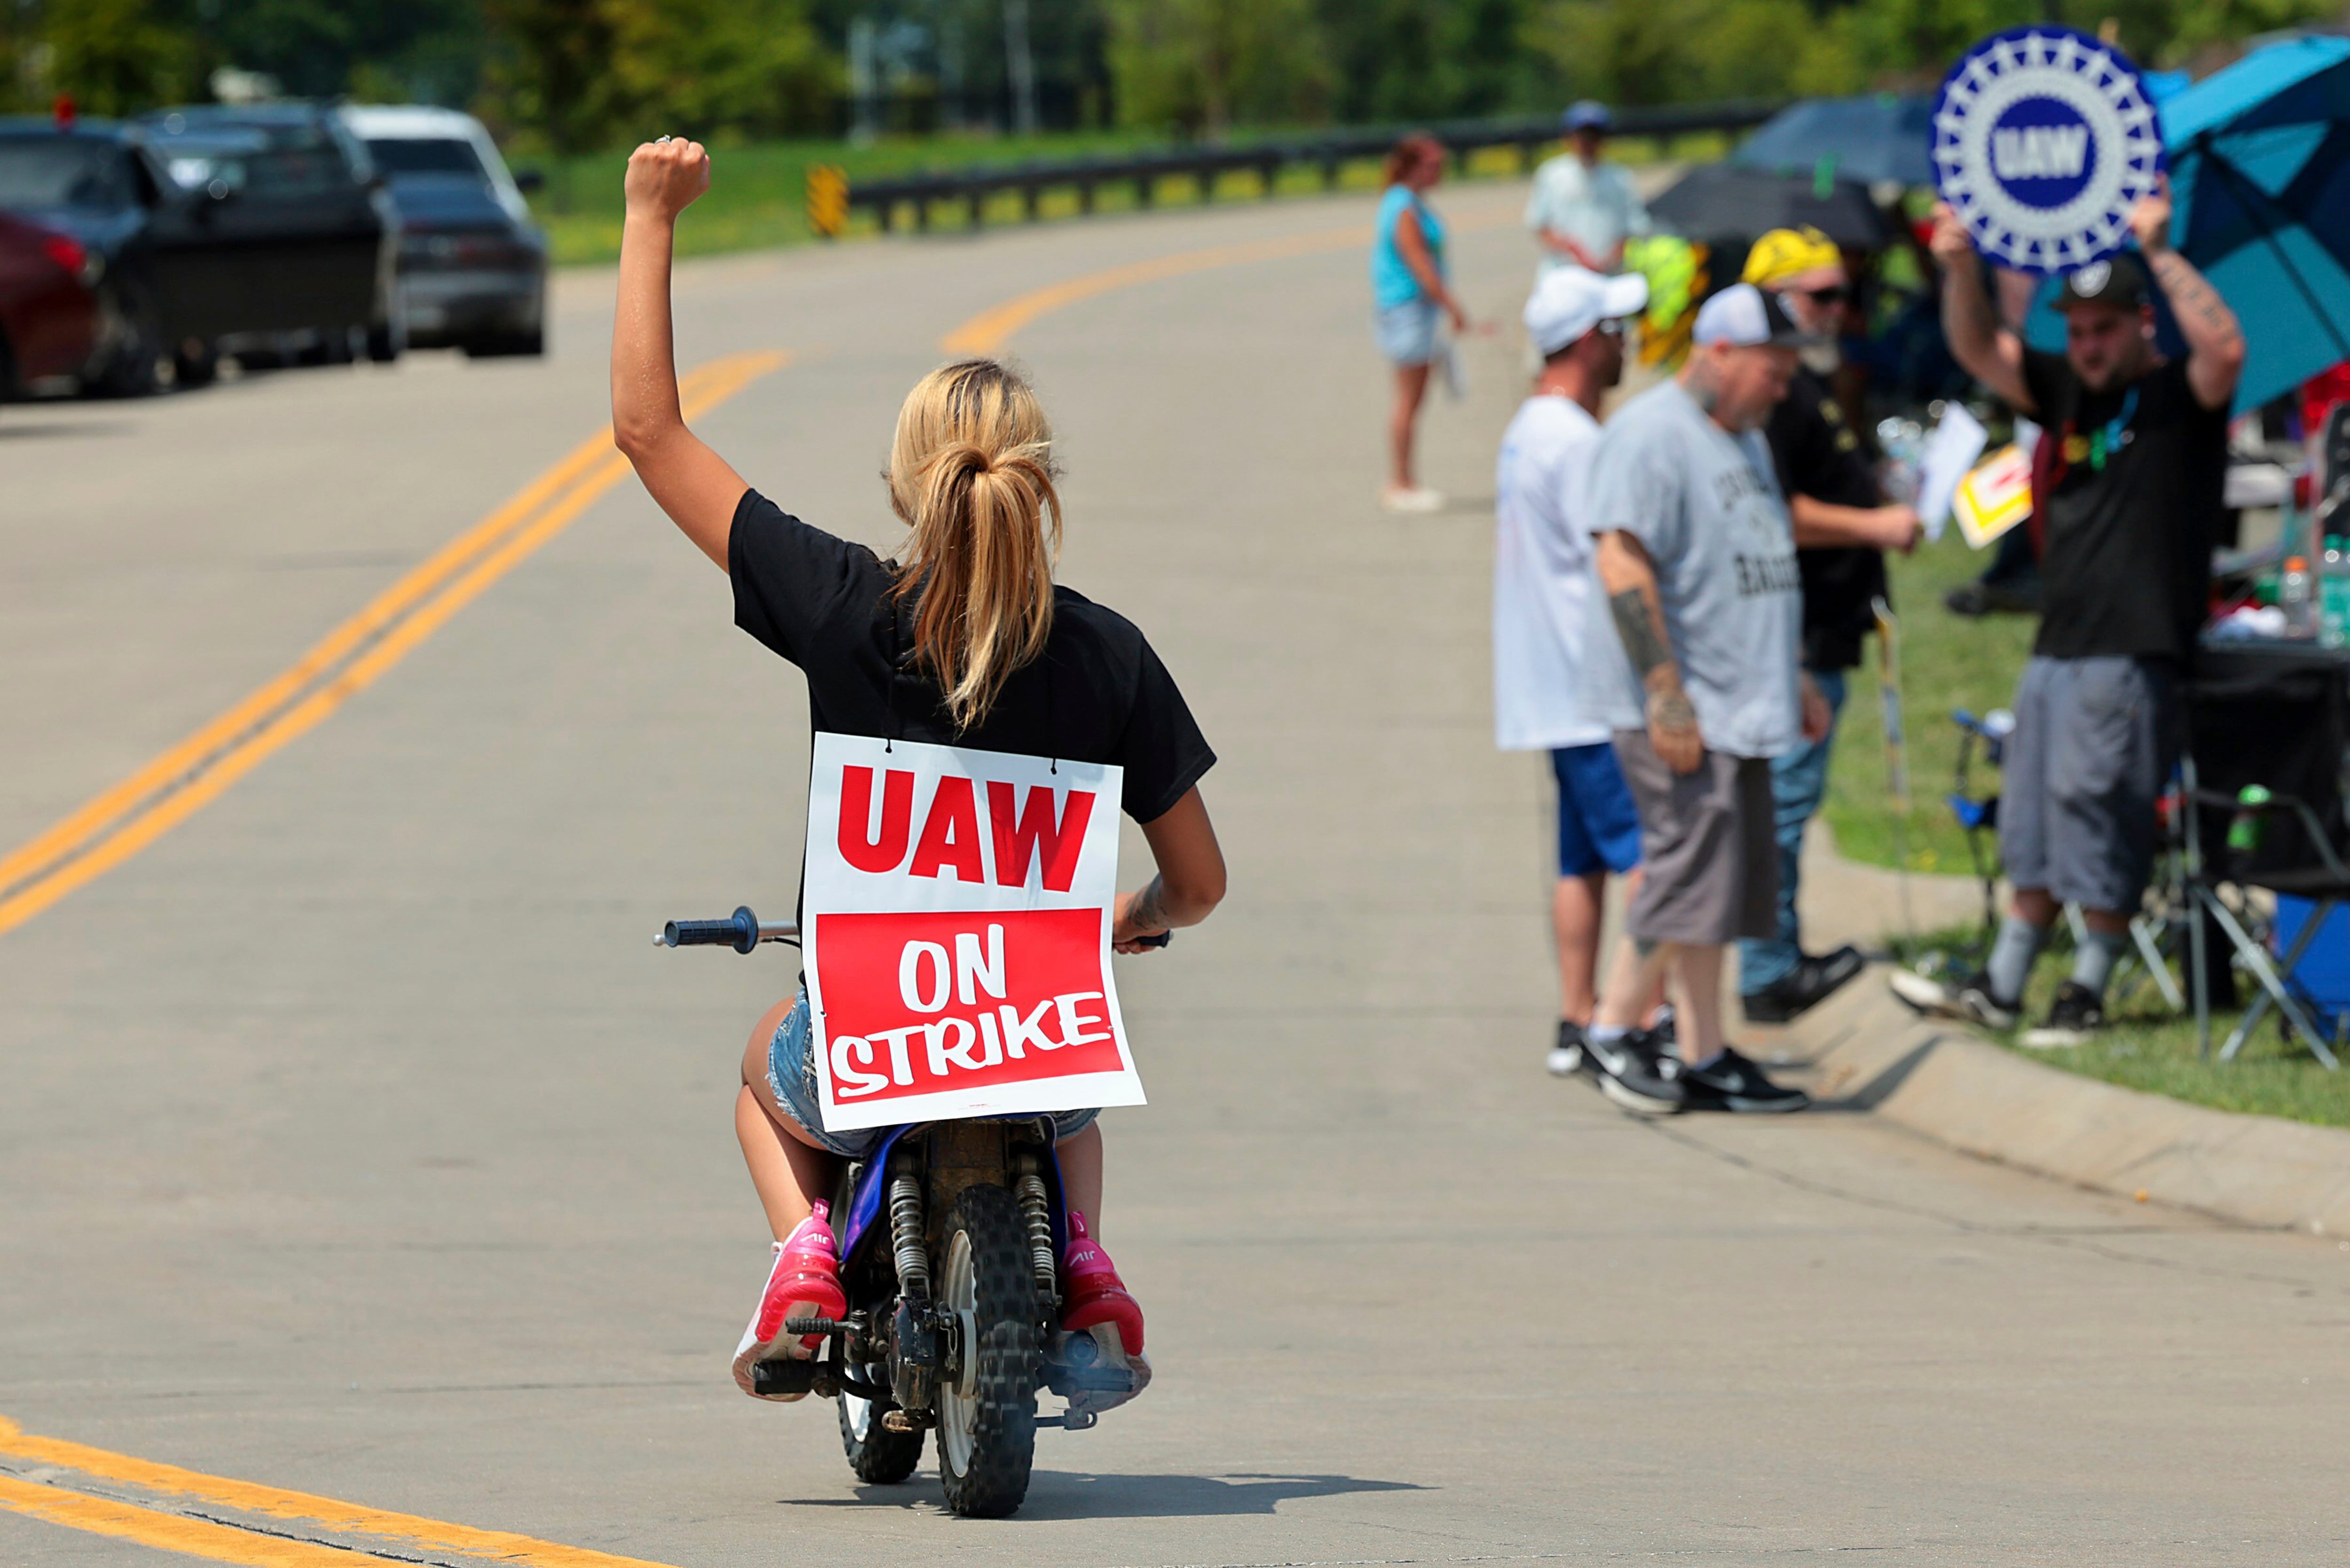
x=804, y=1282
x=1099, y=1306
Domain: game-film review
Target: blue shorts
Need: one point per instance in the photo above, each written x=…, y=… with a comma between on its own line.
x=790, y=1074
x=1598, y=827
x=1406, y=333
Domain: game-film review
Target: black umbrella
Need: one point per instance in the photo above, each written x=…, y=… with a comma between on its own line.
x=1724, y=205
x=1878, y=138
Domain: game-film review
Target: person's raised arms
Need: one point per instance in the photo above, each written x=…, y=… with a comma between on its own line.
x=1983, y=348
x=2215, y=342
x=693, y=484
x=1191, y=879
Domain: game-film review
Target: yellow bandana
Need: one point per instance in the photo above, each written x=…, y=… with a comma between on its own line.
x=1783, y=254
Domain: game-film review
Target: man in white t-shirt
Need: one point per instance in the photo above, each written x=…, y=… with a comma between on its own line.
x=1559, y=671
x=1583, y=209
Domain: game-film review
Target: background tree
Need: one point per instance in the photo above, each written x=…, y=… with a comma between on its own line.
x=1199, y=66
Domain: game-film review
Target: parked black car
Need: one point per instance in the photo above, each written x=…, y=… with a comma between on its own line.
x=473, y=266
x=214, y=230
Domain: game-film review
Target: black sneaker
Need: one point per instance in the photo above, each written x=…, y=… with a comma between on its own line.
x=2077, y=1013
x=1566, y=1057
x=1636, y=1072
x=1967, y=998
x=1812, y=981
x=1732, y=1082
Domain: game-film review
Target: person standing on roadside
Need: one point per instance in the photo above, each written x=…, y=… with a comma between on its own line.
x=1699, y=563
x=2134, y=496
x=1408, y=289
x=1555, y=658
x=1584, y=209
x=1842, y=527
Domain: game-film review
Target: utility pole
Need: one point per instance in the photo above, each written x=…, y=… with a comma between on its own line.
x=1019, y=66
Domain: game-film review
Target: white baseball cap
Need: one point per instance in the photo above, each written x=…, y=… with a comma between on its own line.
x=1745, y=318
x=1570, y=301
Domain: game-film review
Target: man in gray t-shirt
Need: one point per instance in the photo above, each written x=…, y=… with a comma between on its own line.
x=1697, y=560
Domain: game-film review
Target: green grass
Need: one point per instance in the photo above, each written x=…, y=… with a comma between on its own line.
x=757, y=197
x=1947, y=661
x=2148, y=1047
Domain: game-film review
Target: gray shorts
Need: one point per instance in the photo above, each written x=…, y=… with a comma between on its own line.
x=2093, y=744
x=1709, y=852
x=791, y=1073
x=1406, y=333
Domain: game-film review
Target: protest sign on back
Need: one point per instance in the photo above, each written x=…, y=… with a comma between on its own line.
x=956, y=914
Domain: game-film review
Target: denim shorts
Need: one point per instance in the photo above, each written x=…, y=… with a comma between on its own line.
x=790, y=1074
x=1406, y=333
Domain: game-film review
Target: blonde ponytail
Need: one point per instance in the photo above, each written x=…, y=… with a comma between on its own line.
x=971, y=474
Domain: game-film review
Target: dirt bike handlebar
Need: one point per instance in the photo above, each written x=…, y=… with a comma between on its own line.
x=743, y=931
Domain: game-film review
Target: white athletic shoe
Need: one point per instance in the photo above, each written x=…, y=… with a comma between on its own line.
x=1419, y=498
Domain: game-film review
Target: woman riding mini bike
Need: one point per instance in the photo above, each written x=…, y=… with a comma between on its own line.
x=962, y=639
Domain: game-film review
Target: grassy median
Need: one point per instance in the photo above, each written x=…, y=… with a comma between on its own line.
x=1947, y=661
x=2147, y=1046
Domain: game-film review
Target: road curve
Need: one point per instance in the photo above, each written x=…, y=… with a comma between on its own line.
x=357, y=1147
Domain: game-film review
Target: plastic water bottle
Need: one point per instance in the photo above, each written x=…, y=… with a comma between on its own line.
x=2333, y=594
x=2296, y=599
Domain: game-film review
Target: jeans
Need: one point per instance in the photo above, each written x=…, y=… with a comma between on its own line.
x=1798, y=780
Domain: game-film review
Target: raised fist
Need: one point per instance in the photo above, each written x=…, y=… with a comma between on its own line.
x=665, y=176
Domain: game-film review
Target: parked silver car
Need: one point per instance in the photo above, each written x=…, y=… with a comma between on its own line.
x=473, y=266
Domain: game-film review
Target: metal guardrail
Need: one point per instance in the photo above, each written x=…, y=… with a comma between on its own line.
x=971, y=188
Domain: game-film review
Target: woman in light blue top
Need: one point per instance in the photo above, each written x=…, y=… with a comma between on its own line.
x=1407, y=290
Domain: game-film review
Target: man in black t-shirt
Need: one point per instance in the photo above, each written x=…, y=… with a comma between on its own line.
x=1841, y=528
x=2131, y=498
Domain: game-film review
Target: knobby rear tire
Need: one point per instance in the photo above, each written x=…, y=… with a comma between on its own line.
x=1005, y=1358
x=875, y=1454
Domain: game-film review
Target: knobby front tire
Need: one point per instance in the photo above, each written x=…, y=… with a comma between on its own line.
x=987, y=1416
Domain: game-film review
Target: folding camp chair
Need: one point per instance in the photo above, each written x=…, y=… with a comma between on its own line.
x=2263, y=801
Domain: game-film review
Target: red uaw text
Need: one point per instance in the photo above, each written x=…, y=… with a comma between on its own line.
x=917, y=1004
x=1020, y=835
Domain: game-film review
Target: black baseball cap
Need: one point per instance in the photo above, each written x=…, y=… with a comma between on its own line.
x=2119, y=280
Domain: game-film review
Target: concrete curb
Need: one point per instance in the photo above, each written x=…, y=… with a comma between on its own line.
x=1867, y=1052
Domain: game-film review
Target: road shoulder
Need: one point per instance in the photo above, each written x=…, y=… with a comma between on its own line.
x=1867, y=1052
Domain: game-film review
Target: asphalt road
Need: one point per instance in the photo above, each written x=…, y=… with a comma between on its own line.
x=355, y=1141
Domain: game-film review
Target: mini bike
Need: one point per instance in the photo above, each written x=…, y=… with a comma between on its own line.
x=951, y=1240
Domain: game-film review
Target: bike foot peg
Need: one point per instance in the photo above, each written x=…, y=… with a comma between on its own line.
x=804, y=1325
x=1073, y=1420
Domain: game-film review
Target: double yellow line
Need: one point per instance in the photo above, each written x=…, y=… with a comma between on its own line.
x=173, y=1515
x=120, y=822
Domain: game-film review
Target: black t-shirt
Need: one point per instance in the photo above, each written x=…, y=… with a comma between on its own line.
x=1817, y=454
x=2133, y=505
x=1096, y=694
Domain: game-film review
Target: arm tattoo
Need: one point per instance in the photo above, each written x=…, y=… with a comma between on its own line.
x=2192, y=297
x=1148, y=910
x=1668, y=705
x=1642, y=646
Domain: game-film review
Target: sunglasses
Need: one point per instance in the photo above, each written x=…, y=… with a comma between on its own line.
x=1834, y=294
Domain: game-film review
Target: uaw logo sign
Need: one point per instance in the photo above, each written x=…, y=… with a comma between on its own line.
x=2043, y=140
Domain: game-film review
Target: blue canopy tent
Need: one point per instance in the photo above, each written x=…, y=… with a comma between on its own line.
x=1879, y=138
x=2260, y=176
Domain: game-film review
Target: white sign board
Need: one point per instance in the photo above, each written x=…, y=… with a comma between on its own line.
x=2043, y=140
x=1957, y=442
x=956, y=917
